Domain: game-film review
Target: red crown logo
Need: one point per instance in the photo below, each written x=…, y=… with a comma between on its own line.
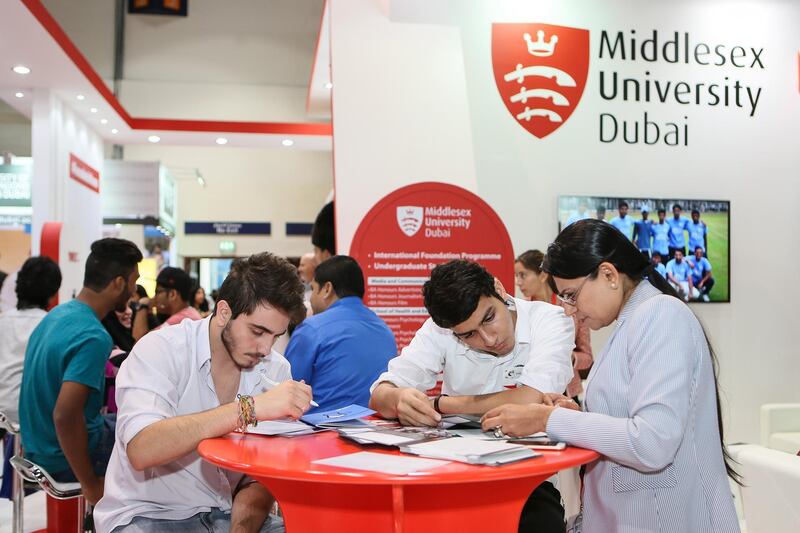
x=540, y=86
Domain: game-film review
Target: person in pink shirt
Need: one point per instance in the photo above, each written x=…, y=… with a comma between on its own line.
x=172, y=298
x=532, y=283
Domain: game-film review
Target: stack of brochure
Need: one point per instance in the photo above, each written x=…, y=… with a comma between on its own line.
x=472, y=451
x=350, y=416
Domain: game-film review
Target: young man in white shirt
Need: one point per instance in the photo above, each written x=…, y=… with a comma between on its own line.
x=193, y=381
x=489, y=352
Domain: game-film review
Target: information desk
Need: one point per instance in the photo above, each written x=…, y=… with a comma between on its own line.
x=316, y=498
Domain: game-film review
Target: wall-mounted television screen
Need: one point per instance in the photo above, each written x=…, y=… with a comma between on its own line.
x=687, y=239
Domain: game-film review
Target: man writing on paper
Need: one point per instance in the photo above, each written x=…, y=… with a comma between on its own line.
x=197, y=380
x=490, y=352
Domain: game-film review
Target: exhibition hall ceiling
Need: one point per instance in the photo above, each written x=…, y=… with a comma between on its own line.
x=32, y=37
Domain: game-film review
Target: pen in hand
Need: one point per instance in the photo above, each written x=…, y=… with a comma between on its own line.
x=275, y=384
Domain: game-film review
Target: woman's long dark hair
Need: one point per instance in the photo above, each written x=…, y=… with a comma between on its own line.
x=580, y=249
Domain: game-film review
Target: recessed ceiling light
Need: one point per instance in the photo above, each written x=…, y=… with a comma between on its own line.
x=103, y=121
x=80, y=97
x=287, y=142
x=329, y=85
x=222, y=140
x=92, y=110
x=21, y=69
x=19, y=95
x=114, y=131
x=154, y=138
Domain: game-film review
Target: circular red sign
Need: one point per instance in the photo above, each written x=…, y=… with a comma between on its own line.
x=413, y=229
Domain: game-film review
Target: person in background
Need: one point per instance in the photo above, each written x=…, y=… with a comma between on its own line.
x=580, y=214
x=658, y=266
x=600, y=214
x=701, y=273
x=305, y=270
x=652, y=410
x=197, y=380
x=8, y=298
x=343, y=348
x=323, y=234
x=677, y=226
x=698, y=233
x=488, y=351
x=63, y=378
x=623, y=222
x=172, y=298
x=643, y=233
x=660, y=231
x=36, y=283
x=679, y=274
x=200, y=302
x=532, y=283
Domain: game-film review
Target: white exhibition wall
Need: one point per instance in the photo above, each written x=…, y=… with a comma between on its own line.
x=243, y=185
x=58, y=135
x=415, y=99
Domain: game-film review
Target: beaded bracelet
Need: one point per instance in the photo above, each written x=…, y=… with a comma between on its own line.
x=247, y=412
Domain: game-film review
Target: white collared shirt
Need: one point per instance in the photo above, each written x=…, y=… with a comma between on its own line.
x=16, y=327
x=168, y=374
x=541, y=359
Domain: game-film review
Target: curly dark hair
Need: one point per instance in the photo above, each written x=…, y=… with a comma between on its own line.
x=454, y=290
x=37, y=282
x=263, y=279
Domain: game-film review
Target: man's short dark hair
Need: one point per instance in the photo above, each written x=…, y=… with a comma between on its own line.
x=37, y=282
x=678, y=206
x=263, y=279
x=343, y=273
x=178, y=279
x=657, y=254
x=109, y=259
x=662, y=210
x=454, y=290
x=695, y=212
x=622, y=204
x=699, y=248
x=323, y=234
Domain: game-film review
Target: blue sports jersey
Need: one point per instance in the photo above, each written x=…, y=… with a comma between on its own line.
x=575, y=216
x=676, y=228
x=625, y=225
x=660, y=238
x=681, y=271
x=697, y=233
x=661, y=269
x=644, y=234
x=699, y=268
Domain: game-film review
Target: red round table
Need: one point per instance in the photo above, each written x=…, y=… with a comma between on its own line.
x=318, y=498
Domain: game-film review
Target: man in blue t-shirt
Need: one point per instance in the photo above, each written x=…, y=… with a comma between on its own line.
x=643, y=233
x=623, y=222
x=343, y=348
x=698, y=233
x=679, y=274
x=659, y=266
x=64, y=374
x=581, y=214
x=701, y=273
x=677, y=225
x=660, y=231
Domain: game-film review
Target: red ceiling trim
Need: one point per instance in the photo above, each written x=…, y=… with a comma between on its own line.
x=47, y=21
x=288, y=128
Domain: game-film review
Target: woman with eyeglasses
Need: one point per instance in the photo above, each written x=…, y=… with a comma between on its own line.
x=532, y=283
x=651, y=407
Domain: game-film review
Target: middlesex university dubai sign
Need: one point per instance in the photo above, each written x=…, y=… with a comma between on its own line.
x=541, y=70
x=410, y=231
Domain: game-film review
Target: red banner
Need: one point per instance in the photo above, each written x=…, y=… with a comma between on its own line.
x=413, y=229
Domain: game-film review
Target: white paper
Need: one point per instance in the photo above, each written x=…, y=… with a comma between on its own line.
x=460, y=447
x=380, y=462
x=279, y=427
x=387, y=439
